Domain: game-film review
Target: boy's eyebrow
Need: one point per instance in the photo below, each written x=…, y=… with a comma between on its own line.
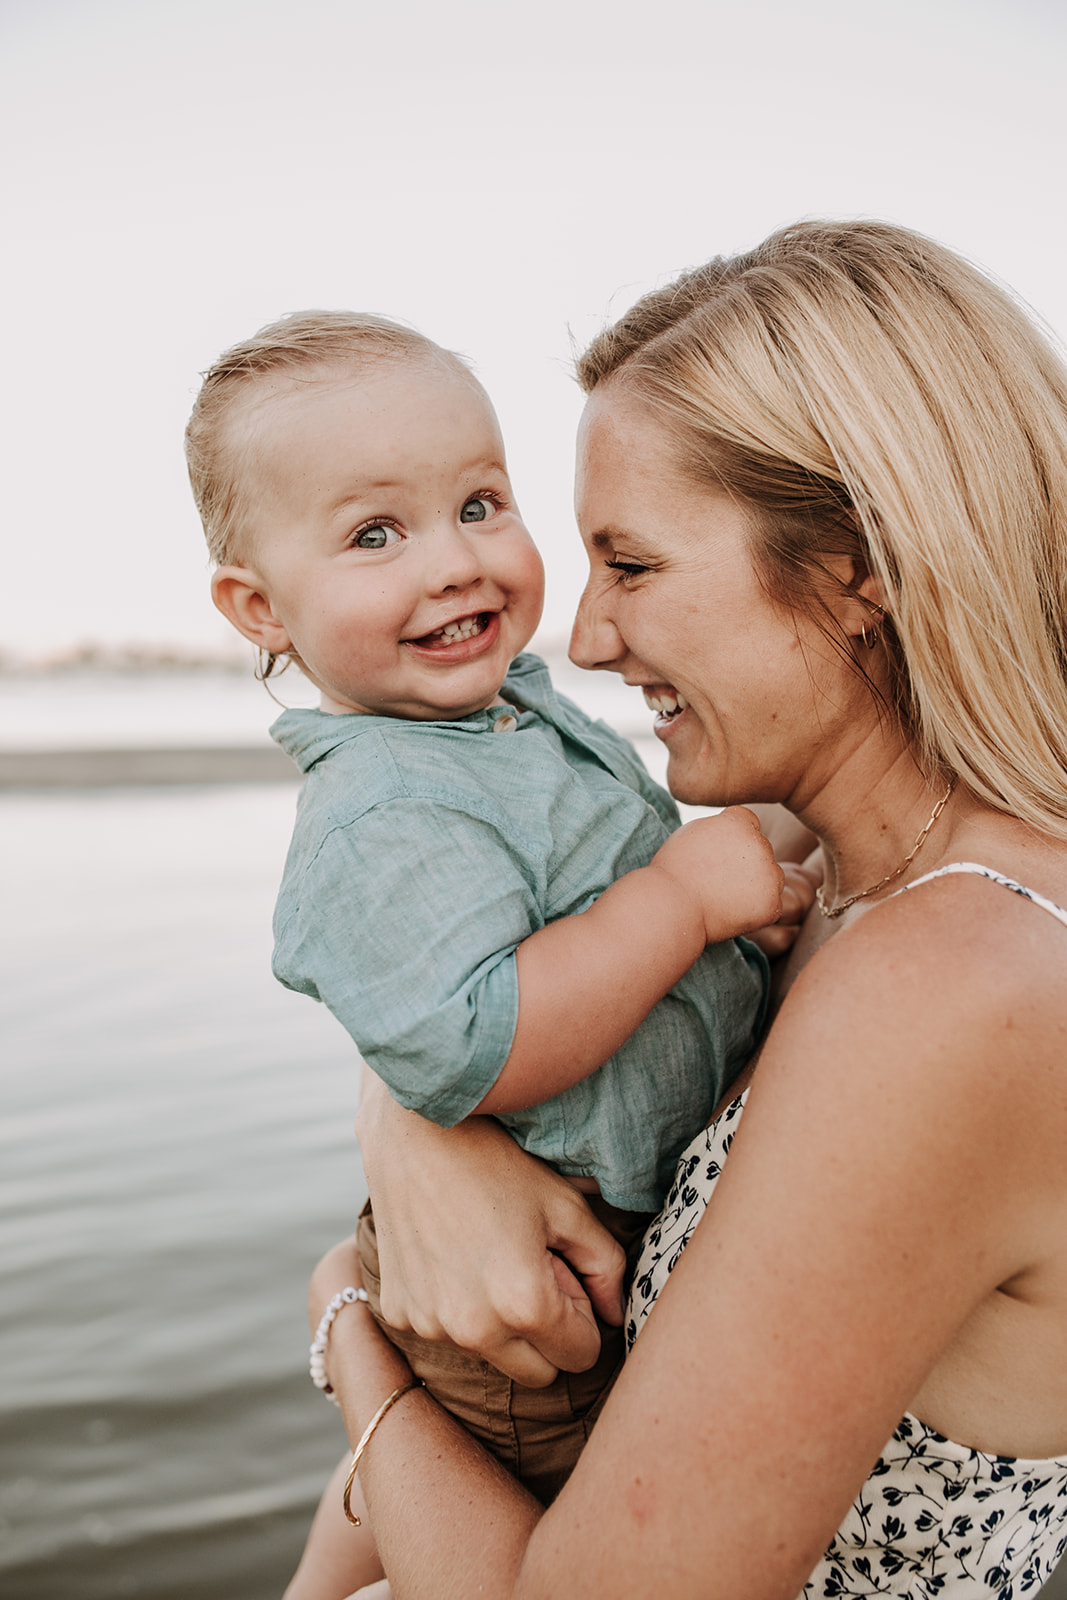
x=379, y=485
x=362, y=488
x=487, y=464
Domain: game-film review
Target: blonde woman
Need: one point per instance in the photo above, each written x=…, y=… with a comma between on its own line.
x=823, y=492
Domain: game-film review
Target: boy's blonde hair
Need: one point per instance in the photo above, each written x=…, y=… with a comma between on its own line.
x=870, y=393
x=300, y=345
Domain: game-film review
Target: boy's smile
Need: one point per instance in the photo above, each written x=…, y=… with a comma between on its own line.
x=385, y=547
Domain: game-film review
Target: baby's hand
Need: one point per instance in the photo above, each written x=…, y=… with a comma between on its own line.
x=798, y=896
x=727, y=867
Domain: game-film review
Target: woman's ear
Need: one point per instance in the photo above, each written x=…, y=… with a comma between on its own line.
x=858, y=603
x=241, y=595
x=867, y=611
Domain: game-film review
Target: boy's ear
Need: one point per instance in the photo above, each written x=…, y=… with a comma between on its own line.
x=240, y=595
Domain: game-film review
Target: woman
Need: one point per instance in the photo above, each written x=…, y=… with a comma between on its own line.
x=822, y=488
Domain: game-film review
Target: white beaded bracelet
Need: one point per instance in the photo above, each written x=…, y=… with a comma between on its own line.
x=344, y=1297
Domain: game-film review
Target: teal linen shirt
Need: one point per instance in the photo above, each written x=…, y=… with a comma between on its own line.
x=425, y=852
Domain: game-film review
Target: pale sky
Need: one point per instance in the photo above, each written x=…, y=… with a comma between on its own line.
x=502, y=174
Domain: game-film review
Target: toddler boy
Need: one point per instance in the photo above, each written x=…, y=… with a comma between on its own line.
x=484, y=886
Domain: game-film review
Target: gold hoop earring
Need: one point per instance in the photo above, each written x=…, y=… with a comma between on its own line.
x=871, y=638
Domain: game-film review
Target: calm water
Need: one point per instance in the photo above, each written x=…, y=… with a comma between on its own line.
x=175, y=1152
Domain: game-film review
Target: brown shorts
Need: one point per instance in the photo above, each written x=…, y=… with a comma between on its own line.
x=538, y=1434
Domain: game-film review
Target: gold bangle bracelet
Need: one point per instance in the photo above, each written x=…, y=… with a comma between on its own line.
x=368, y=1433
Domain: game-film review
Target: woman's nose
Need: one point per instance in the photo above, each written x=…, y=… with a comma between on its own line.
x=595, y=640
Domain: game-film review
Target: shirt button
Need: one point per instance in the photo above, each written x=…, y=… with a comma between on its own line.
x=505, y=724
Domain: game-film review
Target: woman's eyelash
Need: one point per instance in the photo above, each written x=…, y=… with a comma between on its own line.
x=628, y=569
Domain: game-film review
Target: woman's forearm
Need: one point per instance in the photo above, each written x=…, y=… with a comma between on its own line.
x=465, y=1522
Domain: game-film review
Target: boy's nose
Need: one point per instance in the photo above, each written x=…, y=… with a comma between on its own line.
x=453, y=563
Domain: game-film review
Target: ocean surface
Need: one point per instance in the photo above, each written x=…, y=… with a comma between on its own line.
x=175, y=1153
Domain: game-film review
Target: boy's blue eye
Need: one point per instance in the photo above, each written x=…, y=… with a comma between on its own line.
x=376, y=538
x=475, y=510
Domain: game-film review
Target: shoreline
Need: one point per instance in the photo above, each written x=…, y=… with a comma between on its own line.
x=137, y=765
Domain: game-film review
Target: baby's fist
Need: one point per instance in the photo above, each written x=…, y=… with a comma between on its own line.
x=726, y=865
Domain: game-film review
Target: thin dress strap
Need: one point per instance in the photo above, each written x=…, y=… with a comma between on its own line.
x=994, y=877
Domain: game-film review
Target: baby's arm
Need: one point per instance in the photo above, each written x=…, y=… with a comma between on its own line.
x=587, y=981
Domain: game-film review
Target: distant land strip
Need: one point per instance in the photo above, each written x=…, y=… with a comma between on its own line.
x=101, y=769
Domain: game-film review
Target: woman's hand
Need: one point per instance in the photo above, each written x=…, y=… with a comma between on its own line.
x=484, y=1245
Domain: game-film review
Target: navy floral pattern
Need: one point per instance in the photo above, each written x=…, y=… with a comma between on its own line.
x=935, y=1520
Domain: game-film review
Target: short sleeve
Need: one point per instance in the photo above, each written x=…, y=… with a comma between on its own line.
x=404, y=923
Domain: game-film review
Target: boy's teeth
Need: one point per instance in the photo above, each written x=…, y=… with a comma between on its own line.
x=665, y=702
x=465, y=628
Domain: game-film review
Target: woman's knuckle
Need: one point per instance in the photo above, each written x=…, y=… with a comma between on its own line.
x=521, y=1308
x=470, y=1330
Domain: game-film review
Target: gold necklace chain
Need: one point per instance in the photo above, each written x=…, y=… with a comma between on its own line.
x=835, y=911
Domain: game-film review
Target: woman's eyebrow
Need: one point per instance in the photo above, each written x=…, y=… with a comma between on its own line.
x=605, y=538
x=610, y=537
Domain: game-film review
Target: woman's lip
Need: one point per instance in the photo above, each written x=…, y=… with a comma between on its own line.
x=664, y=727
x=463, y=649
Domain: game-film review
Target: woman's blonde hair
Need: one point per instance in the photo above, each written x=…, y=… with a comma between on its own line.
x=300, y=345
x=869, y=392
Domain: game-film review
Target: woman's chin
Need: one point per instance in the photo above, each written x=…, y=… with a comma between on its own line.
x=687, y=776
x=688, y=785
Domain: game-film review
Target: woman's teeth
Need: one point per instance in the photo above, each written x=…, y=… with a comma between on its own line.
x=665, y=702
x=453, y=632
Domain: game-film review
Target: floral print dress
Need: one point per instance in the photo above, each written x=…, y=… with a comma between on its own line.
x=935, y=1520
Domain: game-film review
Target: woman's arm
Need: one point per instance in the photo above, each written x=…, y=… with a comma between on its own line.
x=365, y=1369
x=477, y=1241
x=854, y=1231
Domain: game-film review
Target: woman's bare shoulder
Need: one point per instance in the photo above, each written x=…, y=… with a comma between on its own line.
x=953, y=993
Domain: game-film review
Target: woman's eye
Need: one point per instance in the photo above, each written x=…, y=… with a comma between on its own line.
x=377, y=537
x=626, y=569
x=476, y=510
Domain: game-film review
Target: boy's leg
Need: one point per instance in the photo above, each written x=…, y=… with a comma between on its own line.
x=338, y=1559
